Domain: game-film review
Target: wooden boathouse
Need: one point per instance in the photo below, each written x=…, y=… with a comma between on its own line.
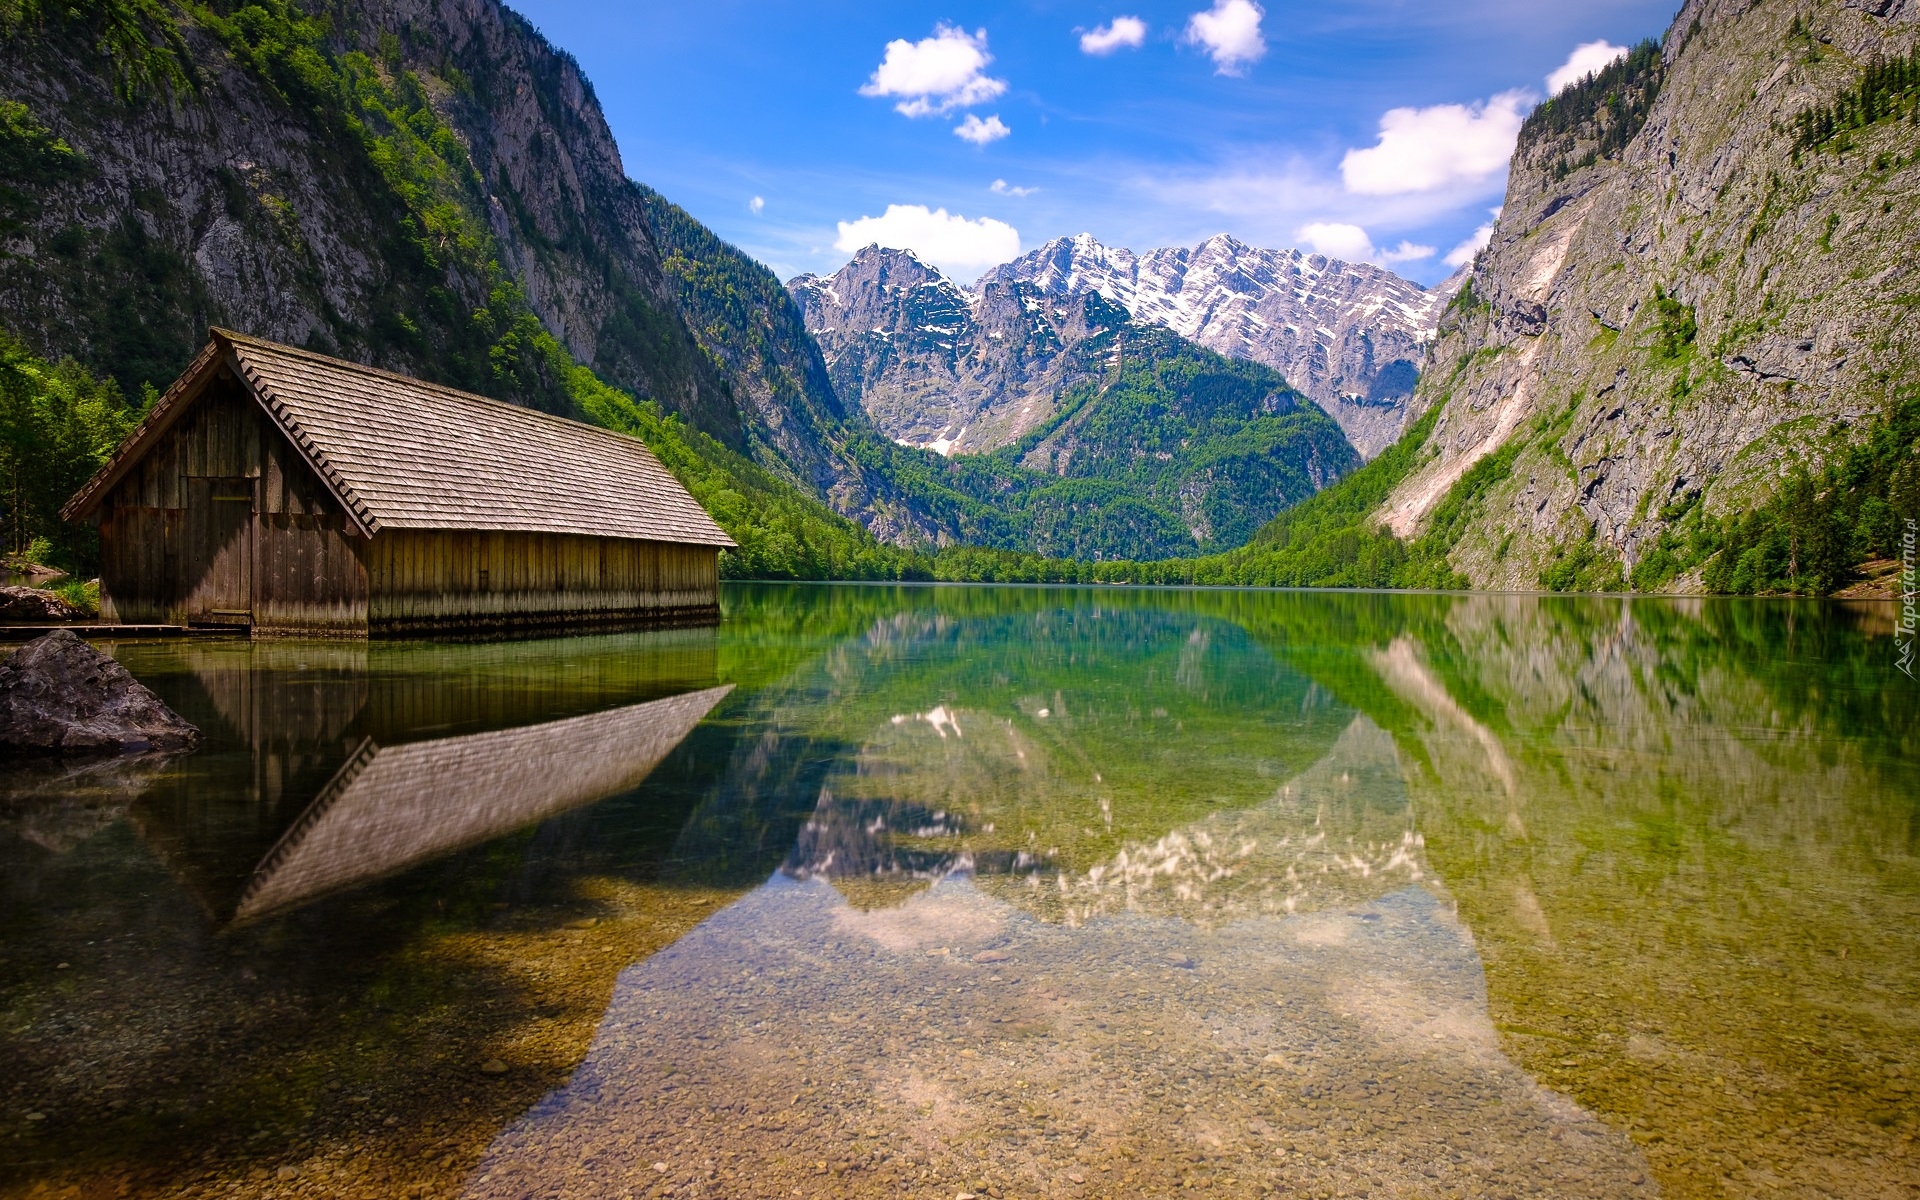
x=284, y=492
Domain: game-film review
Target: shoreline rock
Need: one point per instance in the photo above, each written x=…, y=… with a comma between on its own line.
x=32, y=570
x=59, y=695
x=32, y=605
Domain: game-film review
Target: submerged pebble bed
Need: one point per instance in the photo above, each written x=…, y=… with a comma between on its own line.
x=797, y=1045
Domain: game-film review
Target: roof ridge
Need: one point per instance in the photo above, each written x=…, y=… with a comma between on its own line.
x=415, y=381
x=398, y=452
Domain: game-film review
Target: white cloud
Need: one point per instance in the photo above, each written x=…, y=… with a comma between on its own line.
x=757, y=205
x=1230, y=31
x=979, y=132
x=1463, y=254
x=1426, y=149
x=936, y=74
x=948, y=241
x=1121, y=31
x=1335, y=240
x=1350, y=243
x=1586, y=58
x=1001, y=187
x=1405, y=252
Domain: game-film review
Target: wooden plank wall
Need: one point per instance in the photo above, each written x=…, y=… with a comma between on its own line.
x=277, y=695
x=305, y=560
x=310, y=573
x=154, y=564
x=458, y=579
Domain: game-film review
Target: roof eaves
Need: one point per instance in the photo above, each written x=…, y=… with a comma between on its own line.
x=438, y=523
x=158, y=420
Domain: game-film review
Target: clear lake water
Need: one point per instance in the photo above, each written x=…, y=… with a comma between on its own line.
x=990, y=892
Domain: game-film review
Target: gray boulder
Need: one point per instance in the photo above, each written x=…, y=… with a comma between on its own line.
x=59, y=695
x=32, y=604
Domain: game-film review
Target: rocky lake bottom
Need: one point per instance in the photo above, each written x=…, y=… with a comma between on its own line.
x=992, y=892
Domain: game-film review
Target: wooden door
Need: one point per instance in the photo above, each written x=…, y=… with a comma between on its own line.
x=216, y=559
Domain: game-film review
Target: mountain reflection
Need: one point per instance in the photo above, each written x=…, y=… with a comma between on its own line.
x=1339, y=833
x=1022, y=811
x=1684, y=836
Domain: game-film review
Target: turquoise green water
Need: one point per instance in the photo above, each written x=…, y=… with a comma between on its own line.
x=990, y=891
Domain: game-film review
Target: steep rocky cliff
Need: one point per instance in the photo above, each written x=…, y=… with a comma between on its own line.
x=1351, y=336
x=1691, y=292
x=330, y=183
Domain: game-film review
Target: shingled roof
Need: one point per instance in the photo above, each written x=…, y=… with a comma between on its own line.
x=399, y=453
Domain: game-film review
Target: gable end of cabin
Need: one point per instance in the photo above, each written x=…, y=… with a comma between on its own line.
x=221, y=522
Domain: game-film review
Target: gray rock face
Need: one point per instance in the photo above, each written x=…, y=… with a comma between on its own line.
x=1351, y=336
x=59, y=695
x=32, y=605
x=941, y=368
x=246, y=210
x=1682, y=321
x=238, y=200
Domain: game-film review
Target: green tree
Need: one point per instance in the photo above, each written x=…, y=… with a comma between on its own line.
x=59, y=424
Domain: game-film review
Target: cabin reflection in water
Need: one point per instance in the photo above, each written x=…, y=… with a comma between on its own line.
x=368, y=760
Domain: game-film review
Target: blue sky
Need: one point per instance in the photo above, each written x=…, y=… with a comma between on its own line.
x=1373, y=129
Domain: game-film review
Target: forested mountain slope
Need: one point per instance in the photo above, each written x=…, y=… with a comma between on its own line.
x=744, y=320
x=1161, y=450
x=367, y=182
x=1702, y=288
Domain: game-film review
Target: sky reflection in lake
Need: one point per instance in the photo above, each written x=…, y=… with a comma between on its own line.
x=1005, y=890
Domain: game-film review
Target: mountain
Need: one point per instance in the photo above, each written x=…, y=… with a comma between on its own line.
x=1689, y=360
x=280, y=173
x=1698, y=306
x=423, y=185
x=1056, y=425
x=1351, y=336
x=936, y=366
x=966, y=370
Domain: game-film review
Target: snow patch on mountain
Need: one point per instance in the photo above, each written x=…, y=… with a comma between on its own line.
x=1350, y=335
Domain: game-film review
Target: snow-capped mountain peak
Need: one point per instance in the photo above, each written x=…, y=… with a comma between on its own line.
x=967, y=369
x=1350, y=335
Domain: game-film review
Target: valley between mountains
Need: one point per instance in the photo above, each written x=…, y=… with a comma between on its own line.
x=1686, y=361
